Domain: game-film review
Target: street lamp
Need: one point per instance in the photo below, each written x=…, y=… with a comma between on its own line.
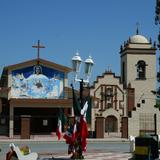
x=76, y=65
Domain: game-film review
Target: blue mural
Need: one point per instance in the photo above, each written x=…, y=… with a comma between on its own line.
x=37, y=82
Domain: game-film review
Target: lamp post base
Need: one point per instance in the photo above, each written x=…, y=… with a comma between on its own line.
x=76, y=155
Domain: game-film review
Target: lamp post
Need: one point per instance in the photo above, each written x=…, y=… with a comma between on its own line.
x=76, y=65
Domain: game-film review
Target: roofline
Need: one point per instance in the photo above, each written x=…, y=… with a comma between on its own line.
x=41, y=61
x=150, y=51
x=128, y=48
x=102, y=76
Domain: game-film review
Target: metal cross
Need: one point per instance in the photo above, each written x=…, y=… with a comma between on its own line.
x=137, y=31
x=38, y=46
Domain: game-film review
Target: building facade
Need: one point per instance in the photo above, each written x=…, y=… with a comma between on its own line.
x=36, y=91
x=32, y=95
x=125, y=104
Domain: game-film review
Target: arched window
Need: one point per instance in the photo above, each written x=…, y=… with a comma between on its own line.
x=141, y=70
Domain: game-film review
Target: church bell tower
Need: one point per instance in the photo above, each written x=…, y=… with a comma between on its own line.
x=138, y=73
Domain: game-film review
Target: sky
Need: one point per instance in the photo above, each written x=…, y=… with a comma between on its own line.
x=93, y=27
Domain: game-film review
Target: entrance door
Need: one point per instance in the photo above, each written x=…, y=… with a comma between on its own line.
x=111, y=124
x=43, y=125
x=43, y=120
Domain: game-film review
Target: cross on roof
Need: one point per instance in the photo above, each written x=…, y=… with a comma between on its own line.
x=38, y=46
x=137, y=30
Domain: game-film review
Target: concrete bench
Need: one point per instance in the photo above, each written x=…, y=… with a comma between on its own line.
x=30, y=156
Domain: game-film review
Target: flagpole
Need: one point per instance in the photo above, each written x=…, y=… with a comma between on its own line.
x=81, y=93
x=81, y=105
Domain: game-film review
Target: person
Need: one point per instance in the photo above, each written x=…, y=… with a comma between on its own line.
x=37, y=70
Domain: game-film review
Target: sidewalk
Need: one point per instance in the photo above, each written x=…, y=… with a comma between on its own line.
x=53, y=138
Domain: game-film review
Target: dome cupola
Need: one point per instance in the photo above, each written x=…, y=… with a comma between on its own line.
x=139, y=39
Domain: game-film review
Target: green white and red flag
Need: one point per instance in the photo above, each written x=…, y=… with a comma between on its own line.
x=83, y=127
x=74, y=134
x=68, y=137
x=59, y=129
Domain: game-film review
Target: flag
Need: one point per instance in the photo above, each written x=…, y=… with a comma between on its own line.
x=68, y=136
x=88, y=114
x=61, y=122
x=84, y=144
x=84, y=109
x=83, y=133
x=59, y=129
x=74, y=134
x=83, y=126
x=76, y=104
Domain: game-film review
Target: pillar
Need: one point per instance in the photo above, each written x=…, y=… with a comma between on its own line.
x=130, y=100
x=0, y=105
x=25, y=126
x=100, y=127
x=124, y=128
x=11, y=121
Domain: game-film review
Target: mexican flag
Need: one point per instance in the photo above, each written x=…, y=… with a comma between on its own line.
x=68, y=137
x=61, y=122
x=83, y=126
x=59, y=129
x=74, y=134
x=83, y=133
x=84, y=144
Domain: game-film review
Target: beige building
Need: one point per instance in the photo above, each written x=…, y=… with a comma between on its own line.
x=125, y=105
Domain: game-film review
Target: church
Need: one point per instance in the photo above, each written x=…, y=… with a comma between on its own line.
x=32, y=93
x=125, y=104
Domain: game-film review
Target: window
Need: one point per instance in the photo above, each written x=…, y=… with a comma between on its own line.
x=146, y=123
x=3, y=121
x=143, y=100
x=45, y=122
x=138, y=105
x=141, y=70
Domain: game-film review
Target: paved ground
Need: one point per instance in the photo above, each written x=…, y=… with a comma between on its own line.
x=48, y=148
x=92, y=156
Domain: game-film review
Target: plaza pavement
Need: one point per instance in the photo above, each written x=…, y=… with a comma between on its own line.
x=94, y=155
x=89, y=155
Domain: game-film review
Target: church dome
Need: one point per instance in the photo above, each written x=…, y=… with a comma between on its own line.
x=138, y=39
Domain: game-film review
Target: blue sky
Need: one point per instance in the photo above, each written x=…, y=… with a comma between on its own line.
x=93, y=27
